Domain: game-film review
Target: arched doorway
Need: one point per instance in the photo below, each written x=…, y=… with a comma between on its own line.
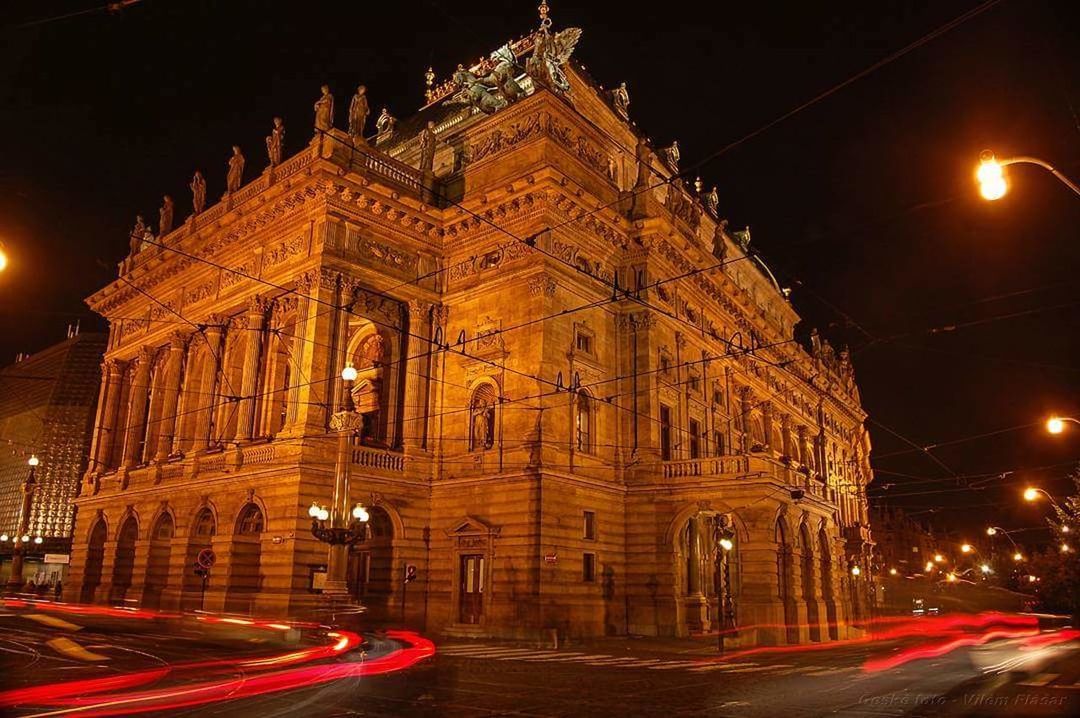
x=245, y=577
x=707, y=585
x=809, y=595
x=371, y=565
x=827, y=593
x=157, y=565
x=203, y=528
x=783, y=582
x=95, y=557
x=124, y=566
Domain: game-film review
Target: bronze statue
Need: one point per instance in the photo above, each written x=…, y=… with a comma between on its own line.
x=324, y=110
x=620, y=99
x=549, y=57
x=502, y=76
x=198, y=192
x=165, y=215
x=235, y=176
x=274, y=142
x=475, y=93
x=427, y=148
x=384, y=125
x=358, y=114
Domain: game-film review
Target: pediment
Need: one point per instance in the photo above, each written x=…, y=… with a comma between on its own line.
x=471, y=526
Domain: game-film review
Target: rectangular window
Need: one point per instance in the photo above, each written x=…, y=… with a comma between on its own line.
x=590, y=525
x=665, y=433
x=693, y=385
x=718, y=443
x=588, y=567
x=695, y=439
x=584, y=342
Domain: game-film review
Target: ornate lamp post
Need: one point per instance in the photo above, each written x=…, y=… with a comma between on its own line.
x=338, y=526
x=724, y=539
x=22, y=533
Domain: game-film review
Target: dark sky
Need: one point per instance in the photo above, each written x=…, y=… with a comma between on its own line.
x=864, y=202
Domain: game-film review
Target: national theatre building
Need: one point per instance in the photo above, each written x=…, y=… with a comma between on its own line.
x=580, y=403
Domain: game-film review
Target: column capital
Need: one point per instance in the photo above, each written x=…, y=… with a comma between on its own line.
x=177, y=340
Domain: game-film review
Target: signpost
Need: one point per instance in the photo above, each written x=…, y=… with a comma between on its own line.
x=203, y=563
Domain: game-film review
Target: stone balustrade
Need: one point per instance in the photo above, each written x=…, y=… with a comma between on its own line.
x=371, y=458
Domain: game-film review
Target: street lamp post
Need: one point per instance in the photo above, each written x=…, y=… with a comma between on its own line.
x=991, y=175
x=337, y=526
x=1056, y=424
x=724, y=538
x=22, y=533
x=995, y=530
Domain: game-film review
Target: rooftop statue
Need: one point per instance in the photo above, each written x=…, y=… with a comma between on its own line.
x=165, y=215
x=235, y=176
x=672, y=156
x=620, y=100
x=550, y=54
x=742, y=238
x=504, y=75
x=476, y=93
x=198, y=192
x=324, y=110
x=712, y=201
x=427, y=148
x=385, y=124
x=274, y=142
x=358, y=114
x=137, y=233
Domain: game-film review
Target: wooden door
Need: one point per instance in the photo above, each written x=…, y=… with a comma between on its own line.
x=471, y=589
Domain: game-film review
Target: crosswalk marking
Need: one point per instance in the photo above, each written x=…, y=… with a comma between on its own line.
x=563, y=656
x=674, y=664
x=1040, y=680
x=534, y=656
x=491, y=652
x=721, y=667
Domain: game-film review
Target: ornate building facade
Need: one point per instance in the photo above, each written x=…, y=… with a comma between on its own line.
x=575, y=384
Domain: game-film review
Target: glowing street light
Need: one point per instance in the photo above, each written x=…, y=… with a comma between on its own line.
x=892, y=571
x=1064, y=548
x=985, y=568
x=991, y=174
x=855, y=570
x=929, y=566
x=1018, y=556
x=3, y=258
x=951, y=578
x=967, y=548
x=938, y=558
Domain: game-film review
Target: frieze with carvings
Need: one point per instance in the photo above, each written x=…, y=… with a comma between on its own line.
x=199, y=293
x=386, y=310
x=388, y=255
x=234, y=275
x=282, y=251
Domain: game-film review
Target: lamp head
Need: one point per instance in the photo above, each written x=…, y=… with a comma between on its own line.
x=1018, y=556
x=314, y=510
x=324, y=514
x=1055, y=425
x=991, y=531
x=1031, y=494
x=38, y=539
x=34, y=460
x=4, y=538
x=349, y=372
x=360, y=513
x=855, y=570
x=985, y=568
x=892, y=571
x=991, y=177
x=966, y=548
x=726, y=544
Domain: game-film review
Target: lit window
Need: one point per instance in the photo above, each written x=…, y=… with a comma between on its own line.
x=583, y=421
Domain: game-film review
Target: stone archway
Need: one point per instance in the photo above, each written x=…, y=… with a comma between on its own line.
x=200, y=537
x=95, y=558
x=124, y=566
x=828, y=593
x=371, y=566
x=157, y=563
x=245, y=576
x=809, y=592
x=784, y=582
x=707, y=577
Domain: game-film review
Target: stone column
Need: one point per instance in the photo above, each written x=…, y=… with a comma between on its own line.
x=256, y=315
x=767, y=417
x=785, y=435
x=416, y=367
x=208, y=385
x=140, y=387
x=112, y=378
x=108, y=564
x=318, y=352
x=745, y=403
x=171, y=387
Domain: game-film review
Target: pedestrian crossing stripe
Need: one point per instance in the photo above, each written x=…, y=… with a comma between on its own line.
x=532, y=657
x=675, y=664
x=721, y=667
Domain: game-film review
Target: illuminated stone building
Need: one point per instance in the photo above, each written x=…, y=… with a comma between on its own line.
x=47, y=409
x=570, y=374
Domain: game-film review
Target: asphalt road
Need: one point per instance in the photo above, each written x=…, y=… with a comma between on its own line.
x=1012, y=677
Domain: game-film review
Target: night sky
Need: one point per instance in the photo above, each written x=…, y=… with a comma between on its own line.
x=864, y=203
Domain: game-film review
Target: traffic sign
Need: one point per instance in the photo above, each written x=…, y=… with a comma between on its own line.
x=206, y=558
x=410, y=573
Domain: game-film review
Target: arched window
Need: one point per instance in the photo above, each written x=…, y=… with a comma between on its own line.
x=583, y=422
x=163, y=529
x=203, y=526
x=250, y=522
x=482, y=418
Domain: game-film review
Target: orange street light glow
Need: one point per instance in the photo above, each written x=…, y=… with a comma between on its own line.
x=1055, y=425
x=966, y=548
x=1018, y=556
x=1030, y=494
x=991, y=177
